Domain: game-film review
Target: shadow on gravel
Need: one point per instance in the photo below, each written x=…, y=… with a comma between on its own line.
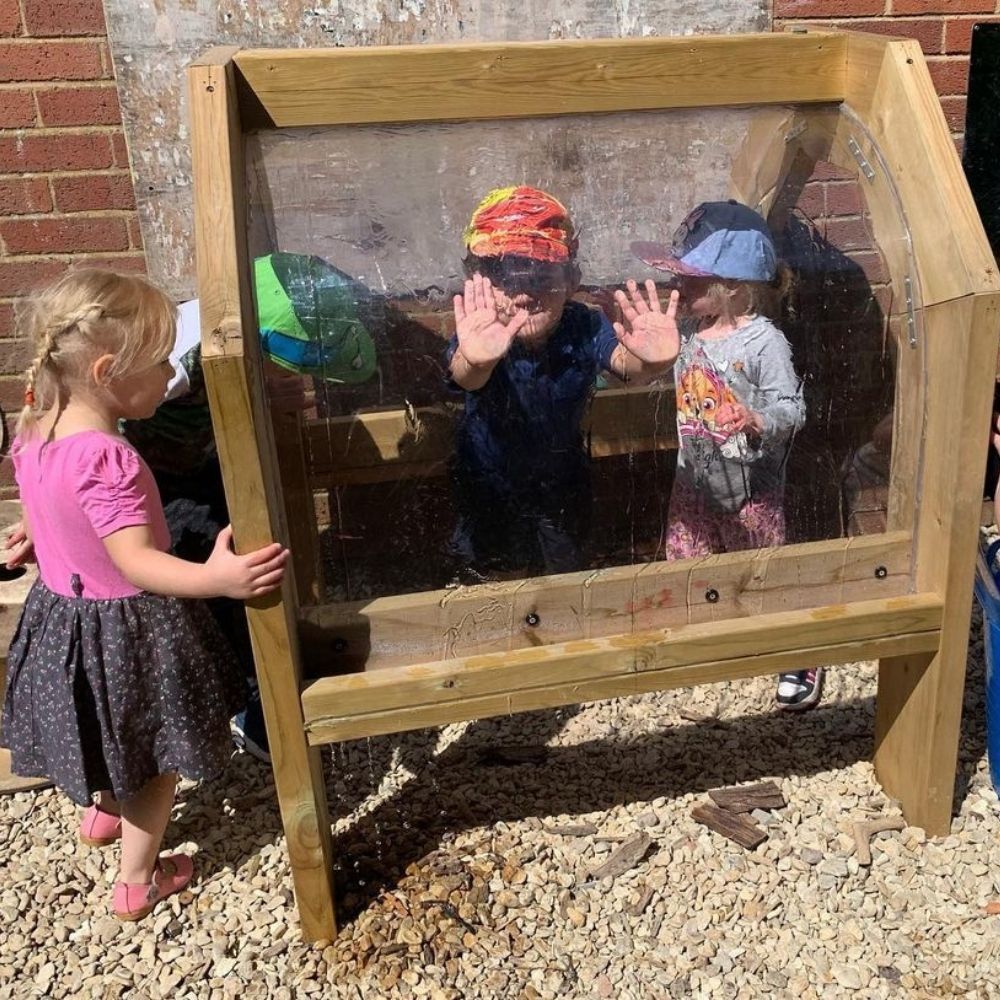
x=500, y=771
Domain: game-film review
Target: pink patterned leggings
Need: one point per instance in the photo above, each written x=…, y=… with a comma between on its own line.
x=694, y=530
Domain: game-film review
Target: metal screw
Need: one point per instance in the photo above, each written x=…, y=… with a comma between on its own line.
x=881, y=572
x=712, y=595
x=339, y=645
x=532, y=619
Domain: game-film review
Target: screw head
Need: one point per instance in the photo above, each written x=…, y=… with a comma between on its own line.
x=339, y=645
x=532, y=619
x=881, y=572
x=712, y=595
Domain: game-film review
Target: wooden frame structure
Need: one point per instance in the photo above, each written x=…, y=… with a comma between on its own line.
x=902, y=597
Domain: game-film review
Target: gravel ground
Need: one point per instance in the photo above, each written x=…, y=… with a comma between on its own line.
x=465, y=855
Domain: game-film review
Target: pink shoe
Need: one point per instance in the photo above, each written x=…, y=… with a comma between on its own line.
x=99, y=828
x=171, y=874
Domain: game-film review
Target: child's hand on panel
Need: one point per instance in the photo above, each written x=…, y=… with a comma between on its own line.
x=484, y=335
x=648, y=332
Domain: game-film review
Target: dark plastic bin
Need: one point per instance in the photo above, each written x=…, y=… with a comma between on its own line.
x=988, y=595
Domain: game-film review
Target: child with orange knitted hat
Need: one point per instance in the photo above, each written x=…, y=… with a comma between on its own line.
x=528, y=357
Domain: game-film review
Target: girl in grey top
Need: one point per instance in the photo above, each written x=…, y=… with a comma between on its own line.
x=739, y=399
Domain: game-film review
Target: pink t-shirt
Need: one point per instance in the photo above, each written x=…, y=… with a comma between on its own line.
x=76, y=491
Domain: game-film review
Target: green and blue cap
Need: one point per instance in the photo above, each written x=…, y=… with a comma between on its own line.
x=307, y=312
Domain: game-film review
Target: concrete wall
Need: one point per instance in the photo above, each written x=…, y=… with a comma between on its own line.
x=152, y=41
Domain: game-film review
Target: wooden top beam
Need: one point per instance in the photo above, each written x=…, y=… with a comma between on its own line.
x=405, y=83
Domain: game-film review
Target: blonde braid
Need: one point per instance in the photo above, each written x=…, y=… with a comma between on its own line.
x=48, y=346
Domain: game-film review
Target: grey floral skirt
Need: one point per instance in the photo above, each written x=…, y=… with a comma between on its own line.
x=108, y=694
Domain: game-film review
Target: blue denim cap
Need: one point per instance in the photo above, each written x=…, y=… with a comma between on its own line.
x=720, y=239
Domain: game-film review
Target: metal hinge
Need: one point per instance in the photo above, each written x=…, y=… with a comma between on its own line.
x=866, y=168
x=911, y=316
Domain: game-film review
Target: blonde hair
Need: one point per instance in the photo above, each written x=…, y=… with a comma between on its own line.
x=731, y=299
x=87, y=313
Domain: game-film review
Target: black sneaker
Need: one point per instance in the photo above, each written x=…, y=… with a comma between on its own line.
x=248, y=729
x=799, y=690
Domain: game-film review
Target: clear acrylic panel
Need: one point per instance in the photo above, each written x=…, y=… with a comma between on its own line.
x=384, y=208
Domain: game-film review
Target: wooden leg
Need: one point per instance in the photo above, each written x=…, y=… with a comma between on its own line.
x=917, y=721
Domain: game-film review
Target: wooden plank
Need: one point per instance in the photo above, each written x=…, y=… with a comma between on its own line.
x=246, y=450
x=521, y=614
x=746, y=798
x=406, y=83
x=432, y=694
x=397, y=444
x=889, y=86
x=740, y=829
x=919, y=703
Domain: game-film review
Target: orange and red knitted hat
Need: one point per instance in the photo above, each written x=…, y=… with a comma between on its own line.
x=523, y=222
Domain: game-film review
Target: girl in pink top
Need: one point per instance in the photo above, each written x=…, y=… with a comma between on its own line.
x=118, y=680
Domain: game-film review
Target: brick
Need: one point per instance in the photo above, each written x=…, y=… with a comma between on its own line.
x=24, y=196
x=6, y=323
x=844, y=199
x=10, y=18
x=64, y=17
x=943, y=6
x=134, y=234
x=120, y=147
x=79, y=106
x=24, y=61
x=824, y=171
x=37, y=153
x=72, y=235
x=132, y=263
x=17, y=353
x=22, y=277
x=848, y=234
x=828, y=8
x=954, y=112
x=928, y=31
x=958, y=32
x=17, y=109
x=11, y=387
x=873, y=266
x=812, y=200
x=93, y=192
x=950, y=75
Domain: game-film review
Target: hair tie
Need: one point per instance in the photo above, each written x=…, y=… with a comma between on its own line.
x=29, y=397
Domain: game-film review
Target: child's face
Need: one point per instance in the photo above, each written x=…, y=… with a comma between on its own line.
x=138, y=394
x=541, y=289
x=695, y=298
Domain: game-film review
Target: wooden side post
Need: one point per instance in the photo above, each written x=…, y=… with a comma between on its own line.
x=919, y=708
x=246, y=446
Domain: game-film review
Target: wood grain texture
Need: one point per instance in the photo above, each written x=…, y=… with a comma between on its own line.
x=494, y=617
x=243, y=434
x=583, y=670
x=919, y=703
x=523, y=79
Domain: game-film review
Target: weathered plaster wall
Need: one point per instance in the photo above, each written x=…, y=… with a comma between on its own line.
x=152, y=41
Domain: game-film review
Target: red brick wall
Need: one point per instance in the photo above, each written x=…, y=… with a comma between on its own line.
x=943, y=28
x=65, y=187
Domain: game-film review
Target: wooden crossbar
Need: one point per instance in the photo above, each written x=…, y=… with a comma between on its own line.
x=522, y=79
x=433, y=694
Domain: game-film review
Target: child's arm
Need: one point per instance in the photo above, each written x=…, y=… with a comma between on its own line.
x=648, y=340
x=484, y=337
x=225, y=574
x=779, y=408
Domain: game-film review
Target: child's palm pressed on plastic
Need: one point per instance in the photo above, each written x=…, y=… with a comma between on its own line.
x=648, y=332
x=484, y=335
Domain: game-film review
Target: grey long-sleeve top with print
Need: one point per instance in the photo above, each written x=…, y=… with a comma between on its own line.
x=753, y=366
